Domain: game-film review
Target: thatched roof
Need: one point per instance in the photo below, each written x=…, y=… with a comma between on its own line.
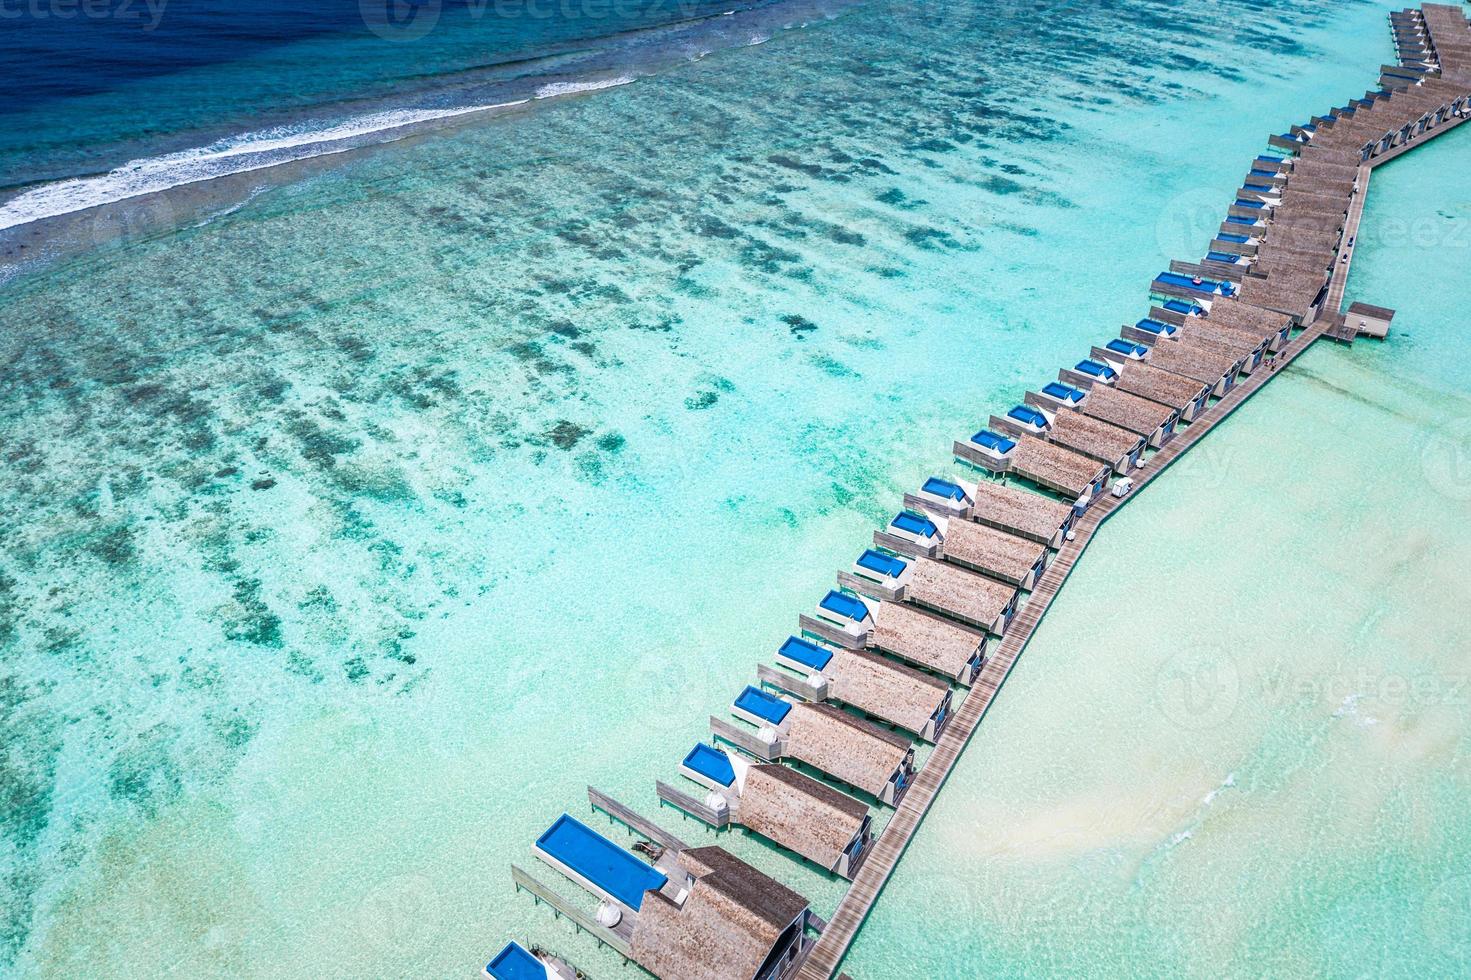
x=1301, y=238
x=923, y=639
x=1309, y=182
x=1125, y=410
x=729, y=923
x=1281, y=264
x=1321, y=254
x=899, y=695
x=1327, y=224
x=985, y=549
x=1021, y=512
x=1157, y=384
x=1229, y=352
x=1372, y=125
x=968, y=597
x=1241, y=339
x=1287, y=291
x=1326, y=169
x=766, y=898
x=845, y=747
x=1091, y=436
x=800, y=813
x=1311, y=204
x=1054, y=467
x=1192, y=361
x=1229, y=312
x=1317, y=151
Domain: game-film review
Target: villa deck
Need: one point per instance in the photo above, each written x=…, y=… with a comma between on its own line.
x=1326, y=167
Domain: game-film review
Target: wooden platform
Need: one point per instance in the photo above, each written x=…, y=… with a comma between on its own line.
x=829, y=950
x=824, y=956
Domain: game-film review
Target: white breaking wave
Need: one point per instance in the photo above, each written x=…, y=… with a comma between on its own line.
x=233, y=155
x=573, y=88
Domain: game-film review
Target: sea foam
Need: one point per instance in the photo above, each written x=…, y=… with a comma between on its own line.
x=242, y=153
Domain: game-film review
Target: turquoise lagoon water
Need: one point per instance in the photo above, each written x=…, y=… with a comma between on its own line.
x=353, y=532
x=1237, y=748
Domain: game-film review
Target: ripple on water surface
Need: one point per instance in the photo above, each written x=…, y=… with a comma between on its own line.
x=367, y=524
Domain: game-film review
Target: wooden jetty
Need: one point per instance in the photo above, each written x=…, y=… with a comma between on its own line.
x=1318, y=319
x=843, y=925
x=1293, y=230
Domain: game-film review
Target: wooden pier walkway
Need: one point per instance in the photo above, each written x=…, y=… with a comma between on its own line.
x=830, y=948
x=1286, y=285
x=823, y=961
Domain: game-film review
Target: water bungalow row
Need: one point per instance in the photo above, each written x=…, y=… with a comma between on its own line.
x=826, y=738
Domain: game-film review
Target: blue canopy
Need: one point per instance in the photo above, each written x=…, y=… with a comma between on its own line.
x=1096, y=370
x=1028, y=415
x=1067, y=393
x=1155, y=326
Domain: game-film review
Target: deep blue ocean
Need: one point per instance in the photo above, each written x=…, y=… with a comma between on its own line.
x=413, y=416
x=107, y=81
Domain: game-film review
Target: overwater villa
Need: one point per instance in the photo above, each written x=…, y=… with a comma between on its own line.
x=1276, y=327
x=1051, y=467
x=1214, y=368
x=1072, y=430
x=698, y=913
x=1151, y=420
x=515, y=962
x=1185, y=395
x=1020, y=512
x=895, y=694
x=919, y=638
x=991, y=551
x=868, y=757
x=1251, y=344
x=810, y=818
x=938, y=586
